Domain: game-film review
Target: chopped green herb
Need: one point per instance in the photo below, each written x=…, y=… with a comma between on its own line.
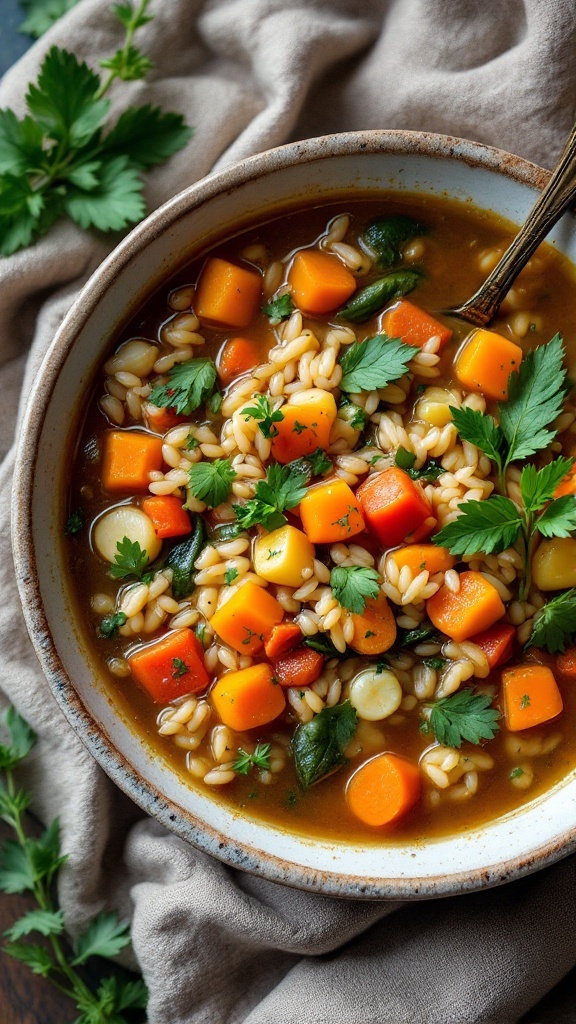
x=352, y=585
x=435, y=663
x=251, y=634
x=200, y=631
x=463, y=715
x=369, y=633
x=354, y=415
x=291, y=799
x=210, y=482
x=555, y=623
x=191, y=443
x=180, y=668
x=74, y=523
x=374, y=363
x=281, y=490
x=428, y=473
x=230, y=575
x=188, y=386
x=319, y=745
x=130, y=560
x=111, y=624
x=264, y=412
x=215, y=401
x=424, y=633
x=322, y=643
x=279, y=309
x=525, y=702
x=315, y=464
x=273, y=554
x=259, y=759
x=516, y=773
x=298, y=428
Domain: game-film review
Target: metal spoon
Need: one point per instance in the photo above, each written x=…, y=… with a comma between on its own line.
x=554, y=199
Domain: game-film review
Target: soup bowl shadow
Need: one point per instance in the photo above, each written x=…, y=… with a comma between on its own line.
x=533, y=836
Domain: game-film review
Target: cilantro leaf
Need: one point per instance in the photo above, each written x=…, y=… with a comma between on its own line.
x=147, y=135
x=264, y=412
x=319, y=745
x=130, y=560
x=42, y=14
x=538, y=486
x=535, y=396
x=47, y=922
x=105, y=936
x=65, y=101
x=111, y=624
x=352, y=585
x=279, y=309
x=429, y=472
x=210, y=482
x=37, y=958
x=464, y=715
x=491, y=525
x=374, y=362
x=189, y=385
x=259, y=759
x=555, y=624
x=116, y=201
x=281, y=490
x=480, y=430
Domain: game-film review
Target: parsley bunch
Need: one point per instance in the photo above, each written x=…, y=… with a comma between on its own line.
x=57, y=159
x=265, y=414
x=31, y=865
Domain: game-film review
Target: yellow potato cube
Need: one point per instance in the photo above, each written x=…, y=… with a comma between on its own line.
x=281, y=556
x=435, y=406
x=554, y=564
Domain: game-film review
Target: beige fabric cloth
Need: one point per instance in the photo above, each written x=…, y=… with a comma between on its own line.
x=217, y=946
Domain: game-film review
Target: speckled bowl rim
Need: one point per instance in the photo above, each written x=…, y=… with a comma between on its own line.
x=170, y=814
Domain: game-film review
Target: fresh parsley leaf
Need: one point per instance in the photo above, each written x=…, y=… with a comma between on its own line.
x=147, y=135
x=42, y=14
x=538, y=486
x=179, y=668
x=16, y=873
x=480, y=430
x=353, y=414
x=464, y=715
x=315, y=464
x=281, y=490
x=319, y=745
x=279, y=309
x=259, y=759
x=230, y=575
x=489, y=526
x=321, y=642
x=128, y=64
x=535, y=396
x=105, y=936
x=555, y=624
x=214, y=403
x=188, y=386
x=210, y=482
x=130, y=560
x=111, y=624
x=516, y=773
x=352, y=585
x=374, y=363
x=65, y=101
x=22, y=739
x=20, y=143
x=46, y=922
x=264, y=412
x=558, y=518
x=429, y=472
x=114, y=203
x=37, y=958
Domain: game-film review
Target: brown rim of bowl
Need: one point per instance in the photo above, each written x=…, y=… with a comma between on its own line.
x=171, y=815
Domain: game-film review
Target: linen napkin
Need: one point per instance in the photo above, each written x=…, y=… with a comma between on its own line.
x=217, y=946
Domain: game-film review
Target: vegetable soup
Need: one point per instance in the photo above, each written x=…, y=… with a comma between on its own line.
x=324, y=538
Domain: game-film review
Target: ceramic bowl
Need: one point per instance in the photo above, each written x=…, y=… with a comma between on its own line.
x=520, y=842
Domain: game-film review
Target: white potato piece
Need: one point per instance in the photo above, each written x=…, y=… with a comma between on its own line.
x=375, y=695
x=134, y=356
x=125, y=521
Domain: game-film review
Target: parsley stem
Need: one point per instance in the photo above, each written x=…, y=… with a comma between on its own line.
x=131, y=27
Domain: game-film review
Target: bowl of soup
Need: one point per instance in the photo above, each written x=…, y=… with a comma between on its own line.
x=294, y=546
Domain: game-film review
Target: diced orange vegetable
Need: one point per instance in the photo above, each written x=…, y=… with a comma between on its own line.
x=249, y=698
x=129, y=457
x=170, y=667
x=413, y=325
x=384, y=789
x=496, y=642
x=485, y=362
x=161, y=420
x=227, y=295
x=168, y=515
x=395, y=507
x=475, y=607
x=330, y=512
x=306, y=426
x=530, y=696
x=320, y=282
x=566, y=663
x=299, y=668
x=283, y=638
x=375, y=628
x=424, y=556
x=237, y=356
x=567, y=485
x=246, y=619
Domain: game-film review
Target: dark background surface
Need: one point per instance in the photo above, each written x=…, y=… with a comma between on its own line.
x=12, y=43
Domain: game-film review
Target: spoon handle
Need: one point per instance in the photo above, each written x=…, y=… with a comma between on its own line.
x=554, y=199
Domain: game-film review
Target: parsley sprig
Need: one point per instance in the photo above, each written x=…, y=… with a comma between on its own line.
x=374, y=363
x=463, y=715
x=279, y=309
x=265, y=414
x=496, y=523
x=281, y=490
x=555, y=624
x=130, y=560
x=31, y=865
x=188, y=386
x=536, y=392
x=259, y=759
x=352, y=585
x=210, y=482
x=58, y=160
x=429, y=472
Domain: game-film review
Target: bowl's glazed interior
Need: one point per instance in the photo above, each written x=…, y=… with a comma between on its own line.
x=519, y=842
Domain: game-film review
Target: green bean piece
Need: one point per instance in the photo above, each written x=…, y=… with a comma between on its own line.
x=373, y=297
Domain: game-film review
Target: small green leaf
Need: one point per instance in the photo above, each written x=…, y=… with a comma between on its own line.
x=128, y=64
x=115, y=203
x=279, y=309
x=42, y=14
x=105, y=936
x=259, y=759
x=111, y=624
x=319, y=745
x=130, y=560
x=64, y=102
x=491, y=525
x=22, y=739
x=555, y=623
x=210, y=482
x=16, y=872
x=46, y=922
x=537, y=486
x=352, y=585
x=188, y=386
x=37, y=958
x=464, y=715
x=265, y=414
x=374, y=363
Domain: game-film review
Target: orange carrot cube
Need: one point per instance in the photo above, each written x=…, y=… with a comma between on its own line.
x=246, y=619
x=530, y=695
x=485, y=362
x=170, y=667
x=475, y=607
x=249, y=698
x=227, y=295
x=320, y=282
x=129, y=458
x=330, y=512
